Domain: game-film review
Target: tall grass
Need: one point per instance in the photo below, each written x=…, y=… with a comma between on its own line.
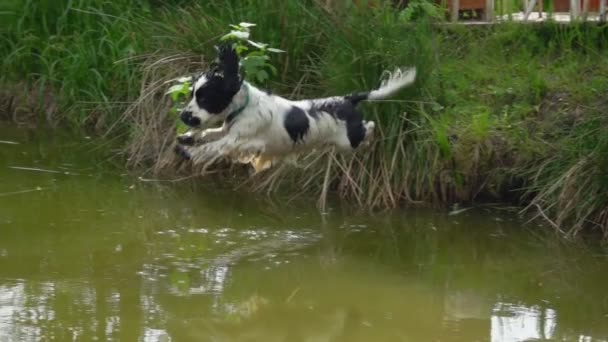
x=508, y=112
x=73, y=49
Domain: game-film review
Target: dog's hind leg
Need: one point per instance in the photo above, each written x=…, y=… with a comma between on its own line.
x=262, y=163
x=254, y=150
x=250, y=150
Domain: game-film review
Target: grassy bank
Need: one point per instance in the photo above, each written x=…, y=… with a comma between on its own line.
x=511, y=113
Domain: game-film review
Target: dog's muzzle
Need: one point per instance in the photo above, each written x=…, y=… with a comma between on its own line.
x=188, y=119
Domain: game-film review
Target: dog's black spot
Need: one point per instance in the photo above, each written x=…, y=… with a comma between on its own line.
x=314, y=113
x=357, y=97
x=345, y=110
x=329, y=107
x=296, y=123
x=355, y=132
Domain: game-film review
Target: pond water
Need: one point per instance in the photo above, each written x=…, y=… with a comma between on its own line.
x=88, y=253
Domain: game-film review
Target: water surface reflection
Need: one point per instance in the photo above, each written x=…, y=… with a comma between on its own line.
x=98, y=256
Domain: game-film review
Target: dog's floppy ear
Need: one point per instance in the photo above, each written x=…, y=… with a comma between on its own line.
x=228, y=61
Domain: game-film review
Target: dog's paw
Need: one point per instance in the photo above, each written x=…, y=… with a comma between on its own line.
x=186, y=139
x=261, y=163
x=183, y=152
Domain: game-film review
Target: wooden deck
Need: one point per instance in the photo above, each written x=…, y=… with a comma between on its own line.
x=532, y=11
x=535, y=17
x=560, y=17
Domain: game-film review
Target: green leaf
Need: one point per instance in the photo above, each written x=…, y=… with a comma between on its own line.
x=261, y=76
x=255, y=53
x=175, y=96
x=254, y=61
x=180, y=127
x=174, y=88
x=436, y=107
x=240, y=49
x=257, y=45
x=272, y=69
x=238, y=35
x=275, y=50
x=185, y=89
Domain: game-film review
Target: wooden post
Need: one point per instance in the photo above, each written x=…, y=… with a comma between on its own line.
x=574, y=9
x=501, y=9
x=529, y=9
x=489, y=10
x=585, y=9
x=455, y=9
x=540, y=8
x=603, y=10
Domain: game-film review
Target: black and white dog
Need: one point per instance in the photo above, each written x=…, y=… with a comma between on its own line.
x=260, y=128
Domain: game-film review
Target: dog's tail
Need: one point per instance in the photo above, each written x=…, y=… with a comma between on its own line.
x=396, y=80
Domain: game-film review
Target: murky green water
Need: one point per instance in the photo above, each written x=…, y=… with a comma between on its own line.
x=87, y=254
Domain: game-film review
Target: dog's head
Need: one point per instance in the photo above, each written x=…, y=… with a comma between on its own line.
x=213, y=92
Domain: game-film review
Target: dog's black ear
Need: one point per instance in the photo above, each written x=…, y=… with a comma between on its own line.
x=229, y=64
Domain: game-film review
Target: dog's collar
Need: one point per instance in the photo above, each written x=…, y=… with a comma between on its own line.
x=238, y=111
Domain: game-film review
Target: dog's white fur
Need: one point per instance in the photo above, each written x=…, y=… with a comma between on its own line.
x=258, y=133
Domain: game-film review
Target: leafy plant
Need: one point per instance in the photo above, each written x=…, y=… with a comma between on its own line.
x=179, y=93
x=421, y=9
x=254, y=60
x=254, y=55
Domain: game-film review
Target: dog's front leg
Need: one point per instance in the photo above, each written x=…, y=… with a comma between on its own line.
x=213, y=150
x=193, y=138
x=227, y=146
x=212, y=134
